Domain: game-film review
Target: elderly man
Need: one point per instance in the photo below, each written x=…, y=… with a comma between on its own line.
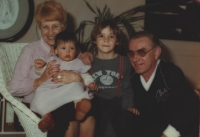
x=168, y=106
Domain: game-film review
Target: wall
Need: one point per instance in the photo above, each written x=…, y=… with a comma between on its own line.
x=78, y=11
x=185, y=54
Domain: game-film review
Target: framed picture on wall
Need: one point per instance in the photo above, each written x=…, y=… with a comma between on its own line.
x=173, y=19
x=15, y=19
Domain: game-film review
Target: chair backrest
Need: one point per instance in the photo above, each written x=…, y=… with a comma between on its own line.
x=10, y=53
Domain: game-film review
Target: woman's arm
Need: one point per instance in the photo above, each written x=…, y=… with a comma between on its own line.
x=20, y=84
x=66, y=77
x=86, y=57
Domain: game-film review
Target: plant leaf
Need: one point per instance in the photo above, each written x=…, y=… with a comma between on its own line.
x=124, y=20
x=98, y=10
x=104, y=10
x=86, y=45
x=88, y=5
x=129, y=28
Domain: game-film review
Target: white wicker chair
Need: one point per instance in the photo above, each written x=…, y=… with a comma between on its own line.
x=9, y=53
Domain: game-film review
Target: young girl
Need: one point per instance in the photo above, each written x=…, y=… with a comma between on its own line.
x=49, y=95
x=111, y=73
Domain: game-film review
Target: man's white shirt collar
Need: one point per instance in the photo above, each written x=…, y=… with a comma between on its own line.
x=147, y=84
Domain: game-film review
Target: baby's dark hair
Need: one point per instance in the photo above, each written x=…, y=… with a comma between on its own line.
x=67, y=36
x=97, y=30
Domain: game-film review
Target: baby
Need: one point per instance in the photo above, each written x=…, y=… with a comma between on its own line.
x=50, y=96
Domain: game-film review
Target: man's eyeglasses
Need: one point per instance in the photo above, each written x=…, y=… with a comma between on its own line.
x=139, y=52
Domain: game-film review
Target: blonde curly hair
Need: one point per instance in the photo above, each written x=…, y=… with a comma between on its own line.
x=50, y=11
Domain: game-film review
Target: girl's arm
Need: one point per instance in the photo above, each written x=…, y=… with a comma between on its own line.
x=127, y=90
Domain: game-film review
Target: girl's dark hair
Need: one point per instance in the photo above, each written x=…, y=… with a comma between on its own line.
x=97, y=30
x=67, y=36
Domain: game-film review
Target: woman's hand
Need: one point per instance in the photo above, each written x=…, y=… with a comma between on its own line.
x=51, y=69
x=86, y=57
x=66, y=76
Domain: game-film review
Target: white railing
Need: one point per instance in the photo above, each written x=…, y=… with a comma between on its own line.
x=3, y=118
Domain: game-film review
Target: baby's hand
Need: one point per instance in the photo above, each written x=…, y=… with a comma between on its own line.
x=39, y=63
x=92, y=86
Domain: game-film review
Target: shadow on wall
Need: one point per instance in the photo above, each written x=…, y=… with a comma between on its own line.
x=191, y=84
x=165, y=54
x=70, y=22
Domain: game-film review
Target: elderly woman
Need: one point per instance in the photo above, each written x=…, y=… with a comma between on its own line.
x=51, y=18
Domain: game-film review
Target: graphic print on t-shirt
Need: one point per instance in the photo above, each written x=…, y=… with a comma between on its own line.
x=106, y=78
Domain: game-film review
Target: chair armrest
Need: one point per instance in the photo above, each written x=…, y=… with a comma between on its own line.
x=28, y=119
x=5, y=77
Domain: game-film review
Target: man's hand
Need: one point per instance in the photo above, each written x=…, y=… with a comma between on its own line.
x=197, y=90
x=134, y=110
